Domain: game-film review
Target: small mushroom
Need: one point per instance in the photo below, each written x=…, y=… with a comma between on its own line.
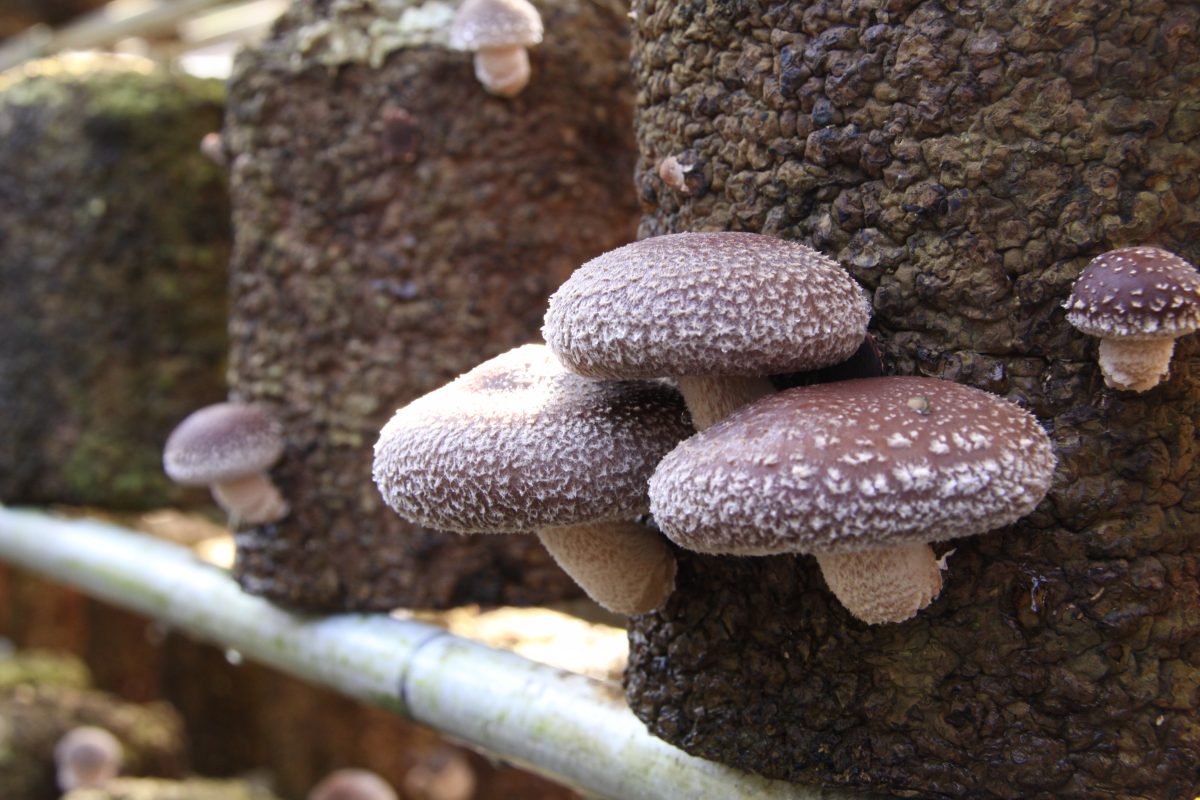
x=1138, y=300
x=352, y=784
x=519, y=444
x=719, y=312
x=229, y=447
x=863, y=474
x=498, y=31
x=87, y=757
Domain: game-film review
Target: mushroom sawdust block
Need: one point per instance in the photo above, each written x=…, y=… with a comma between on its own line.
x=863, y=474
x=519, y=444
x=229, y=447
x=717, y=311
x=1138, y=300
x=498, y=31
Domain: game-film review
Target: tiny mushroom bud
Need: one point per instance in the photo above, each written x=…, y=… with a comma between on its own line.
x=86, y=757
x=229, y=447
x=519, y=444
x=863, y=474
x=1138, y=300
x=498, y=31
x=352, y=784
x=719, y=312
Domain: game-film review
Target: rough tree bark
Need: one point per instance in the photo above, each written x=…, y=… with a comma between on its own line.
x=395, y=227
x=964, y=159
x=114, y=248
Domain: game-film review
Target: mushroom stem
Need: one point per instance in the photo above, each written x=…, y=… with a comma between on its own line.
x=886, y=585
x=712, y=398
x=624, y=566
x=1135, y=364
x=252, y=500
x=503, y=71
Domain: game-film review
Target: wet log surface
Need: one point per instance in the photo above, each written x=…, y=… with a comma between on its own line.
x=964, y=160
x=114, y=248
x=396, y=227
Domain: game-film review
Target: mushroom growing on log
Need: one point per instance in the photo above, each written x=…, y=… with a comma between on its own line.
x=863, y=474
x=519, y=444
x=964, y=161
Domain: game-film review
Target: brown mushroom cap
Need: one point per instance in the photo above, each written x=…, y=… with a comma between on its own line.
x=480, y=24
x=222, y=442
x=1136, y=292
x=519, y=444
x=352, y=784
x=706, y=304
x=851, y=466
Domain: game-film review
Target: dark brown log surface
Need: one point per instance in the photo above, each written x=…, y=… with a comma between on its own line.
x=114, y=250
x=964, y=159
x=396, y=226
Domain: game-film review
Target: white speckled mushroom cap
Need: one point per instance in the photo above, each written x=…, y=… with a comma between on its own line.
x=495, y=23
x=851, y=466
x=222, y=442
x=706, y=304
x=1137, y=293
x=519, y=443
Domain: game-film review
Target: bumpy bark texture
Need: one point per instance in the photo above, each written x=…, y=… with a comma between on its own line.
x=114, y=246
x=964, y=159
x=396, y=226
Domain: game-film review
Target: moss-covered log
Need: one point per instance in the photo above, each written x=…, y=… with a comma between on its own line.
x=114, y=243
x=33, y=719
x=396, y=226
x=964, y=160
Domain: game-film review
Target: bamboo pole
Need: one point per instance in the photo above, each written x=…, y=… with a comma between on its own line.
x=570, y=728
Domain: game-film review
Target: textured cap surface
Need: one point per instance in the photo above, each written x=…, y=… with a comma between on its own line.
x=1136, y=292
x=519, y=443
x=495, y=23
x=850, y=466
x=222, y=442
x=706, y=304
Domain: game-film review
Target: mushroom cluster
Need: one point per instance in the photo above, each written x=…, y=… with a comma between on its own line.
x=1138, y=300
x=576, y=439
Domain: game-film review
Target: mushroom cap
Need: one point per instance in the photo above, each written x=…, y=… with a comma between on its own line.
x=519, y=443
x=1138, y=293
x=706, y=304
x=87, y=756
x=480, y=24
x=352, y=784
x=851, y=466
x=222, y=442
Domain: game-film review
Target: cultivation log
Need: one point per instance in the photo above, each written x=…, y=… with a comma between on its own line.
x=964, y=160
x=114, y=248
x=396, y=226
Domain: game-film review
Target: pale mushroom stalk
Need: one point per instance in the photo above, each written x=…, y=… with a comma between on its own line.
x=885, y=585
x=624, y=566
x=503, y=71
x=711, y=398
x=1135, y=364
x=253, y=500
